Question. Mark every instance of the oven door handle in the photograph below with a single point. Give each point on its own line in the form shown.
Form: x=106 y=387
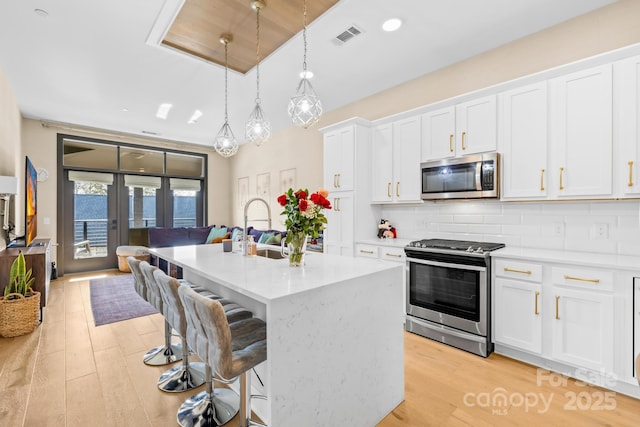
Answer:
x=447 y=264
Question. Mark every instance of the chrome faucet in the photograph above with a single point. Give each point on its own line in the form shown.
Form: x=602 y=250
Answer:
x=246 y=219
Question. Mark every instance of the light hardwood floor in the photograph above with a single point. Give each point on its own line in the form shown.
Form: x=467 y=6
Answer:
x=71 y=373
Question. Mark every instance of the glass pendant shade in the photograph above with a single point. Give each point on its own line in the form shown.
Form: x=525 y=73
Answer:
x=257 y=129
x=226 y=144
x=305 y=107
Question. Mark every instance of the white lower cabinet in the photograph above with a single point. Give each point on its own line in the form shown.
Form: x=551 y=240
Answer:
x=387 y=253
x=560 y=313
x=518 y=321
x=583 y=329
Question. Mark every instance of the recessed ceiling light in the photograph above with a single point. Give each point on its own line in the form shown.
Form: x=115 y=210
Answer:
x=125 y=109
x=392 y=24
x=163 y=111
x=194 y=117
x=41 y=12
x=308 y=74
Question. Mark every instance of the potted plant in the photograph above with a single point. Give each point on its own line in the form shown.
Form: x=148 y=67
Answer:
x=20 y=305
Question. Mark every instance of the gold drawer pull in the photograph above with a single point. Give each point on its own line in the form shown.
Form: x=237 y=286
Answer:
x=557 y=310
x=394 y=255
x=511 y=270
x=542 y=180
x=366 y=252
x=630 y=183
x=451 y=143
x=536 y=312
x=581 y=279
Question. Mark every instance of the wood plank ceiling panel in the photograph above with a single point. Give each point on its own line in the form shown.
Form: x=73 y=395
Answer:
x=199 y=24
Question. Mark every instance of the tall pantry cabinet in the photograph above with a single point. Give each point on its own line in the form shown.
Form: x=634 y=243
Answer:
x=347 y=156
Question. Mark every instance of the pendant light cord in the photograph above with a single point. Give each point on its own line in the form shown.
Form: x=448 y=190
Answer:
x=226 y=67
x=257 y=55
x=304 y=37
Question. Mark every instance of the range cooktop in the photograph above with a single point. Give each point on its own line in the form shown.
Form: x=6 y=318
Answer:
x=455 y=245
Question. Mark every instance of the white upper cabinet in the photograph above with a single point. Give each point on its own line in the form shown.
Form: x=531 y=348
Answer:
x=522 y=141
x=627 y=93
x=396 y=162
x=339 y=147
x=581 y=133
x=466 y=128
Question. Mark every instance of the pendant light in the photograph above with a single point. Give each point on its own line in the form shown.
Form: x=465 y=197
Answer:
x=258 y=128
x=225 y=143
x=305 y=107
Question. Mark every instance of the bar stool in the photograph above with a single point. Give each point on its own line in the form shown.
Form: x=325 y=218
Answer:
x=163 y=354
x=187 y=375
x=230 y=350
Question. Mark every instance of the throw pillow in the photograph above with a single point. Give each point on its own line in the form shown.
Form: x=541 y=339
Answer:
x=274 y=240
x=237 y=234
x=265 y=237
x=216 y=232
x=219 y=239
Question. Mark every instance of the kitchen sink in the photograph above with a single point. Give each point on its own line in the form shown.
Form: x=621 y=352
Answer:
x=270 y=253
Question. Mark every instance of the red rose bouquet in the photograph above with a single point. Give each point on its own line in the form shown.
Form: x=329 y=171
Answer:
x=304 y=218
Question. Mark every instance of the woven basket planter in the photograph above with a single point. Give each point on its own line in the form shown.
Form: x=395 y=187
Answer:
x=19 y=316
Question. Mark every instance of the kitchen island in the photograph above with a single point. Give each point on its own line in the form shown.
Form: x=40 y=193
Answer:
x=335 y=351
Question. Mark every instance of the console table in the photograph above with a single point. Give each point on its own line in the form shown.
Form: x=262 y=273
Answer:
x=37 y=258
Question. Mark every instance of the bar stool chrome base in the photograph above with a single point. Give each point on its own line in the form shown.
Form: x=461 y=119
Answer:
x=163 y=355
x=203 y=409
x=182 y=378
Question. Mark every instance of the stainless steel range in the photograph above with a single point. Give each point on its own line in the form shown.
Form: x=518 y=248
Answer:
x=448 y=292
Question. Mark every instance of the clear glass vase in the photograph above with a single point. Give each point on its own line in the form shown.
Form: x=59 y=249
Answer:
x=297 y=248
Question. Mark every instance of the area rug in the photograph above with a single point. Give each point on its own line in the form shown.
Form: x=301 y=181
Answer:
x=114 y=299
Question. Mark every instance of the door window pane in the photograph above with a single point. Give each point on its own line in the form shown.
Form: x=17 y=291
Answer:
x=142 y=200
x=90 y=219
x=185 y=165
x=141 y=160
x=89 y=155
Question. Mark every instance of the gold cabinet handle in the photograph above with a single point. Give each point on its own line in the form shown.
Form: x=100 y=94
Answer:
x=511 y=270
x=581 y=279
x=336 y=205
x=366 y=252
x=398 y=189
x=561 y=172
x=338 y=181
x=451 y=143
x=463 y=135
x=557 y=304
x=394 y=255
x=537 y=312
x=388 y=189
x=335 y=180
x=542 y=180
x=630 y=183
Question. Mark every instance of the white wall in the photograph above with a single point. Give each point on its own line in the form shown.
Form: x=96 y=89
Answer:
x=547 y=225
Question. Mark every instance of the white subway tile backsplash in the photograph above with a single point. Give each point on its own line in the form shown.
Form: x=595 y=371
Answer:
x=546 y=225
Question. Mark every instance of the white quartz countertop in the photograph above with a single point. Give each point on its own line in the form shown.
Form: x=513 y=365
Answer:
x=395 y=243
x=588 y=259
x=265 y=279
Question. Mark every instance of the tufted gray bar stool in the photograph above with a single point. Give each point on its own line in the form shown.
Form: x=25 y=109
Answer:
x=163 y=354
x=231 y=349
x=186 y=375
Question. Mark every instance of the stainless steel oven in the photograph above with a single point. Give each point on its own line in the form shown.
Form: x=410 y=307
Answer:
x=448 y=297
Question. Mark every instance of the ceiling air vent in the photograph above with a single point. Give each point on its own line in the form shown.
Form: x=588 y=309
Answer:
x=347 y=35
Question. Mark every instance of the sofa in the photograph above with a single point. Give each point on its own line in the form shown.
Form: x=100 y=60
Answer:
x=163 y=237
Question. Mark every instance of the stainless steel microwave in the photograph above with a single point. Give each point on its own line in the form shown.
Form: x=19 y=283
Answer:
x=468 y=177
